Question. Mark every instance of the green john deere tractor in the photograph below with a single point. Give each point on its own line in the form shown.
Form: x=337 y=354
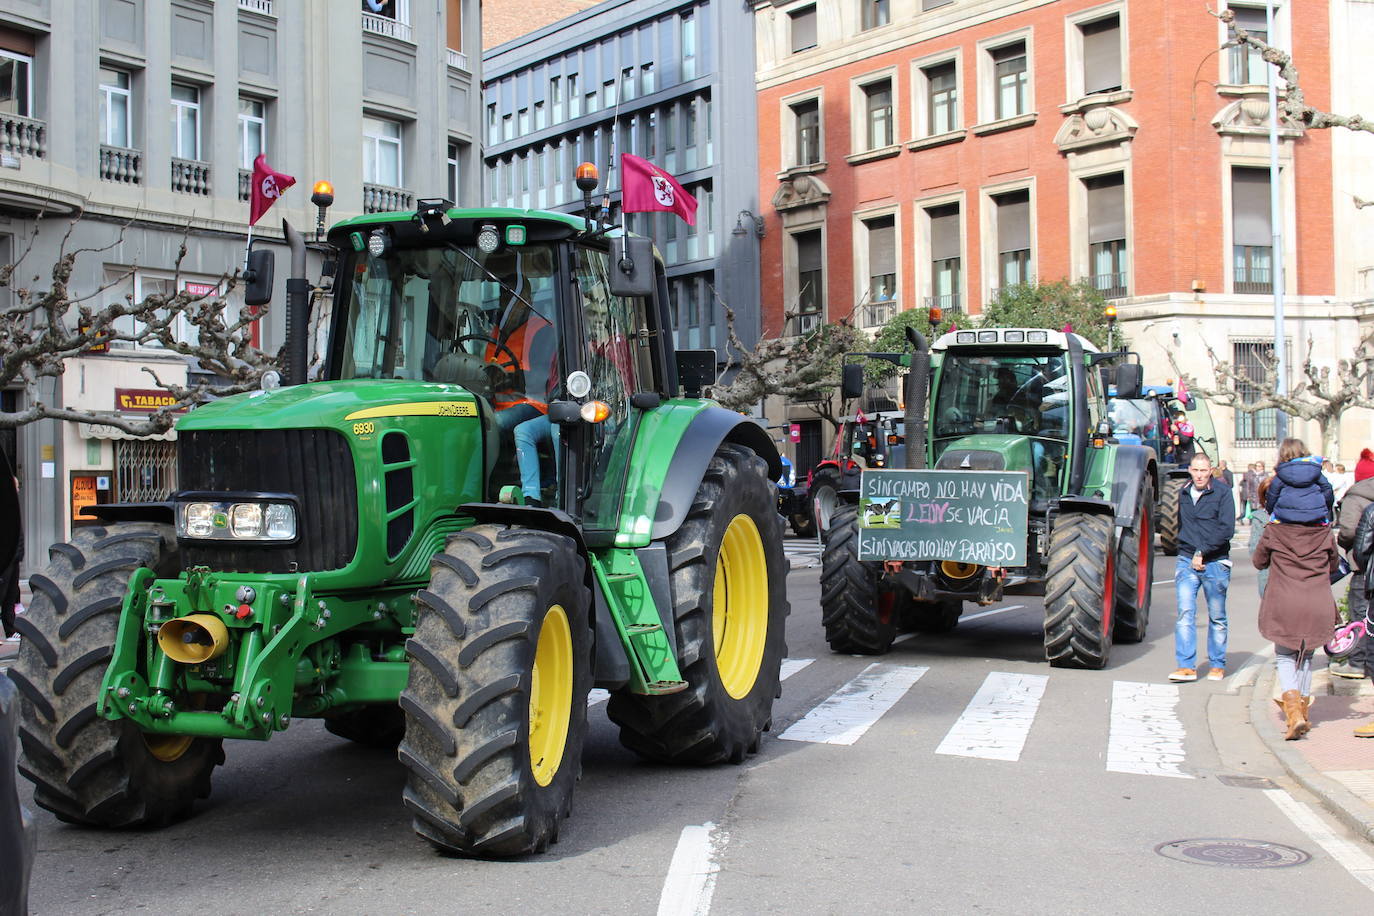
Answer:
x=503 y=489
x=1008 y=400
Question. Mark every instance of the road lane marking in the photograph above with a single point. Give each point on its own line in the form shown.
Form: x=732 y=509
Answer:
x=790 y=666
x=692 y=873
x=1146 y=736
x=996 y=610
x=997 y=720
x=1350 y=856
x=854 y=708
x=597 y=695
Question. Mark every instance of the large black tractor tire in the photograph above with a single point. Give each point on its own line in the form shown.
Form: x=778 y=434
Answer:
x=1135 y=576
x=1080 y=591
x=824 y=495
x=933 y=616
x=729 y=610
x=858 y=618
x=370 y=726
x=85 y=769
x=496 y=703
x=1166 y=515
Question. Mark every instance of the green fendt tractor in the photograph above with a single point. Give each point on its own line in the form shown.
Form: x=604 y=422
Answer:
x=375 y=550
x=1019 y=400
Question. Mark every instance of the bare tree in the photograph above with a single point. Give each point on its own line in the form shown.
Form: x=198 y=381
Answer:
x=804 y=368
x=41 y=329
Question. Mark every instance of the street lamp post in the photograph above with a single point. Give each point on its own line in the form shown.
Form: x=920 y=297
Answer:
x=1276 y=225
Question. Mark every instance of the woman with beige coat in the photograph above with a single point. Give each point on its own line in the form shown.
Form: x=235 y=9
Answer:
x=1297 y=612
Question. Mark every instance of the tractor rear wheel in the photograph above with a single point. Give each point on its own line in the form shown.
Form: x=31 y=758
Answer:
x=1135 y=574
x=86 y=769
x=496 y=704
x=730 y=608
x=370 y=726
x=1166 y=515
x=825 y=499
x=1080 y=591
x=858 y=617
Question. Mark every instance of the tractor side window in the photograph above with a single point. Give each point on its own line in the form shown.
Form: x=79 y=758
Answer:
x=612 y=359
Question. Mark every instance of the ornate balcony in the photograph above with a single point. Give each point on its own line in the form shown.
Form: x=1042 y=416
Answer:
x=21 y=136
x=245 y=184
x=385 y=25
x=257 y=6
x=121 y=165
x=191 y=176
x=378 y=198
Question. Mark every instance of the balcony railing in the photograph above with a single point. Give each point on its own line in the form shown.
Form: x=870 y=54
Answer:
x=457 y=59
x=120 y=164
x=378 y=198
x=950 y=303
x=1253 y=266
x=385 y=25
x=21 y=136
x=257 y=6
x=245 y=184
x=1111 y=286
x=191 y=176
x=876 y=314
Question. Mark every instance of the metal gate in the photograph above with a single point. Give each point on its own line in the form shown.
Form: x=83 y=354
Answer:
x=145 y=470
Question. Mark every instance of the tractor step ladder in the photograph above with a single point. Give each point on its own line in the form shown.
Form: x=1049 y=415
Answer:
x=653 y=669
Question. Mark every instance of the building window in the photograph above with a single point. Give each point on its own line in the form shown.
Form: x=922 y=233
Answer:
x=1009 y=81
x=1246 y=65
x=874 y=13
x=946 y=269
x=493 y=125
x=627 y=83
x=522 y=121
x=803 y=26
x=508 y=126
x=1252 y=231
x=608 y=94
x=1107 y=234
x=541 y=117
x=115 y=127
x=556 y=98
x=934 y=4
x=453 y=166
x=1013 y=238
x=252 y=131
x=1253 y=360
x=806 y=116
x=1101 y=55
x=16 y=84
x=381 y=152
x=880 y=299
x=185 y=121
x=942 y=98
x=810 y=279
x=689 y=46
x=574 y=100
x=646 y=79
x=878 y=114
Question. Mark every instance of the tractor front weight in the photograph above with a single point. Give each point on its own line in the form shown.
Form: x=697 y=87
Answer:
x=232 y=656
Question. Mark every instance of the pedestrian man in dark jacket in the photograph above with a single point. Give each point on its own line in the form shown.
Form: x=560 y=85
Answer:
x=1206 y=523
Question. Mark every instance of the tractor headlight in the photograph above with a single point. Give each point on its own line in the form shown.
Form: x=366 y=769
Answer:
x=237 y=520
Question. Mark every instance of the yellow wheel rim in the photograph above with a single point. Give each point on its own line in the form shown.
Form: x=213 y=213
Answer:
x=167 y=748
x=739 y=616
x=551 y=683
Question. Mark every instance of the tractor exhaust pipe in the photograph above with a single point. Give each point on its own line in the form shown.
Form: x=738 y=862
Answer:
x=194 y=639
x=917 y=391
x=297 y=310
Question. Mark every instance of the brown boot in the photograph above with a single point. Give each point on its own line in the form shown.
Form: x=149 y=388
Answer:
x=1295 y=712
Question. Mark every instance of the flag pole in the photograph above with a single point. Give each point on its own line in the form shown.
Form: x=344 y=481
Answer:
x=248 y=248
x=610 y=150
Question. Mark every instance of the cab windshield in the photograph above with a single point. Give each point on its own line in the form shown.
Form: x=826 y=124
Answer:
x=992 y=393
x=455 y=314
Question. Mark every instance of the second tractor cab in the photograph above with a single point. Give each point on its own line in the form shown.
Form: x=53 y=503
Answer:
x=876 y=440
x=1023 y=400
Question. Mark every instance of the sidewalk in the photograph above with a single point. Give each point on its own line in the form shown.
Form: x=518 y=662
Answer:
x=1330 y=762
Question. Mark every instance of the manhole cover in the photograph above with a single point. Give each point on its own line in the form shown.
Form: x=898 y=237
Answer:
x=1233 y=853
x=1248 y=782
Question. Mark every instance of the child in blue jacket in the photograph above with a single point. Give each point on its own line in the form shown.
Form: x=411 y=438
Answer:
x=1299 y=491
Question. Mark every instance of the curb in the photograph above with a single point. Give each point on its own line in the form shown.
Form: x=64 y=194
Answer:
x=1348 y=808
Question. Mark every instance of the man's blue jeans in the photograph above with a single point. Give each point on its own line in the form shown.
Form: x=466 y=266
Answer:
x=1214 y=580
x=528 y=437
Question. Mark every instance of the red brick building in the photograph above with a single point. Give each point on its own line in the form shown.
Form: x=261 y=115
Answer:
x=928 y=152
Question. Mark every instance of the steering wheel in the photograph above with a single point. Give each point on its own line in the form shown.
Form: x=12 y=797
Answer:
x=510 y=367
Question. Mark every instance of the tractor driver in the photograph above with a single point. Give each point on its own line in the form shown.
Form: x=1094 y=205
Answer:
x=1014 y=401
x=521 y=356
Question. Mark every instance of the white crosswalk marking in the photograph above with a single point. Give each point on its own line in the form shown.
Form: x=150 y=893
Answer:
x=1146 y=734
x=997 y=720
x=852 y=710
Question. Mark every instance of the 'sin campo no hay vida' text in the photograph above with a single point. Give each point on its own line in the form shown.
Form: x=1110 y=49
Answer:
x=959 y=488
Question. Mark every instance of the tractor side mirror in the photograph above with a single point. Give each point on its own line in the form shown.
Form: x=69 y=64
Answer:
x=632 y=266
x=852 y=381
x=1130 y=379
x=257 y=277
x=565 y=413
x=1190 y=404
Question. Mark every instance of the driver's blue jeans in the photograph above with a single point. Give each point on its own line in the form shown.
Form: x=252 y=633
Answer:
x=1214 y=580
x=528 y=437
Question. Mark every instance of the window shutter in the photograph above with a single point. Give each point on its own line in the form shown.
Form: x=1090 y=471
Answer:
x=1250 y=223
x=882 y=246
x=808 y=251
x=804 y=29
x=1102 y=55
x=944 y=232
x=1106 y=208
x=1252 y=19
x=1013 y=222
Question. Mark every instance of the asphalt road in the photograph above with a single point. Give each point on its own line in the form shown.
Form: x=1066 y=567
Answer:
x=944 y=803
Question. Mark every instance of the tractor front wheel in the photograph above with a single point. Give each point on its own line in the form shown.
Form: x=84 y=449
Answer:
x=1135 y=574
x=86 y=769
x=1080 y=591
x=858 y=618
x=496 y=705
x=1167 y=514
x=729 y=607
